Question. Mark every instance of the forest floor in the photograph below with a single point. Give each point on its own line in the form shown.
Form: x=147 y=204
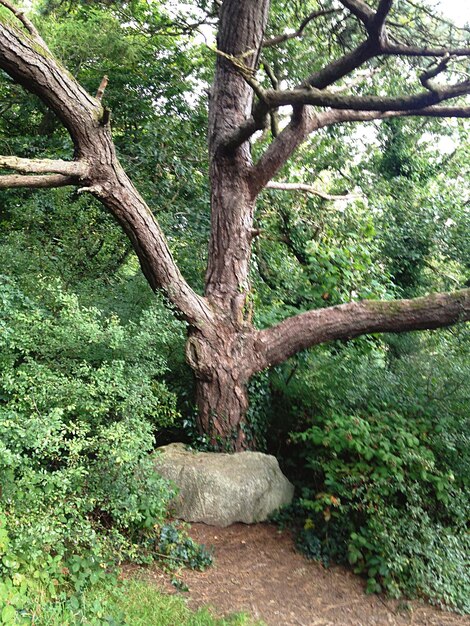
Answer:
x=258 y=571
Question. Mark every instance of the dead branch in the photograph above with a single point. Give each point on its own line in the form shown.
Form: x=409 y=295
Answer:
x=10 y=181
x=44 y=166
x=284 y=186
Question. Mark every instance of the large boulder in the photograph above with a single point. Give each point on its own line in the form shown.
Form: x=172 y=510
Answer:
x=220 y=489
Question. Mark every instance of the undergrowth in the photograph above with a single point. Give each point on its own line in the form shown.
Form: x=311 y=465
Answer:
x=381 y=462
x=81 y=396
x=127 y=603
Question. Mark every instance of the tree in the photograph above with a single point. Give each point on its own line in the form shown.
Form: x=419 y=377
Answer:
x=224 y=348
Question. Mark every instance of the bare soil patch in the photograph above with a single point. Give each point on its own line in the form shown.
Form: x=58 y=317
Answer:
x=257 y=570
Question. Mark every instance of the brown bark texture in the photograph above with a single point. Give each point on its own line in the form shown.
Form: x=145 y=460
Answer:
x=224 y=349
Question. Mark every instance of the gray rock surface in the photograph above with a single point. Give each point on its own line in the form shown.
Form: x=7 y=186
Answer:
x=220 y=489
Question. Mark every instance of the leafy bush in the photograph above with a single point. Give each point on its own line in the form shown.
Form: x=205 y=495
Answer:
x=58 y=354
x=384 y=462
x=181 y=551
x=81 y=396
x=385 y=505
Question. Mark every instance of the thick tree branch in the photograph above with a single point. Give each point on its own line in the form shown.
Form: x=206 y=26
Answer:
x=96 y=166
x=347 y=321
x=376 y=22
x=44 y=166
x=323 y=98
x=302 y=124
x=292 y=136
x=397 y=49
x=437 y=111
x=307 y=121
x=303 y=121
x=359 y=9
x=323 y=78
x=341 y=67
x=36 y=182
x=246 y=130
x=336 y=117
x=36 y=70
x=377 y=44
x=320 y=80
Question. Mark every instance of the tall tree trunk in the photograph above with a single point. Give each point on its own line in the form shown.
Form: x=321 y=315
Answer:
x=222 y=359
x=221 y=393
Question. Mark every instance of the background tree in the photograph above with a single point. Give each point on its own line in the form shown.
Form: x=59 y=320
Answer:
x=224 y=347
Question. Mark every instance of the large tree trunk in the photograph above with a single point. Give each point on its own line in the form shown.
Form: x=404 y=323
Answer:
x=223 y=363
x=222 y=359
x=225 y=356
x=222 y=402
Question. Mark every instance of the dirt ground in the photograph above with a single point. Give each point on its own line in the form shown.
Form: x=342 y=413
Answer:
x=257 y=571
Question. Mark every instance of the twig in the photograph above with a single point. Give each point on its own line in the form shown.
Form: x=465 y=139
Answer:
x=102 y=87
x=283 y=186
x=29 y=26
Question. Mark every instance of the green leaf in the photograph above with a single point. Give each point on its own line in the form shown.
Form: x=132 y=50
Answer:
x=8 y=614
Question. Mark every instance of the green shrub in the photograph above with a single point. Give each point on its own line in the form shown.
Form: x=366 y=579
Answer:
x=383 y=458
x=81 y=396
x=384 y=504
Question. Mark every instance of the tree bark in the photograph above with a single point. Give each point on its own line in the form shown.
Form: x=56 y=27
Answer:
x=346 y=321
x=222 y=358
x=223 y=361
x=240 y=36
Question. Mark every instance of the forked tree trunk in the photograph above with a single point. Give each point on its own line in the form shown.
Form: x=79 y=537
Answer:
x=224 y=357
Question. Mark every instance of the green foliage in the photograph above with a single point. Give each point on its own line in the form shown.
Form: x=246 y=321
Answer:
x=384 y=462
x=258 y=414
x=60 y=229
x=415 y=555
x=182 y=550
x=59 y=356
x=153 y=73
x=315 y=257
x=134 y=603
x=144 y=606
x=81 y=395
x=84 y=358
x=25 y=601
x=342 y=264
x=420 y=203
